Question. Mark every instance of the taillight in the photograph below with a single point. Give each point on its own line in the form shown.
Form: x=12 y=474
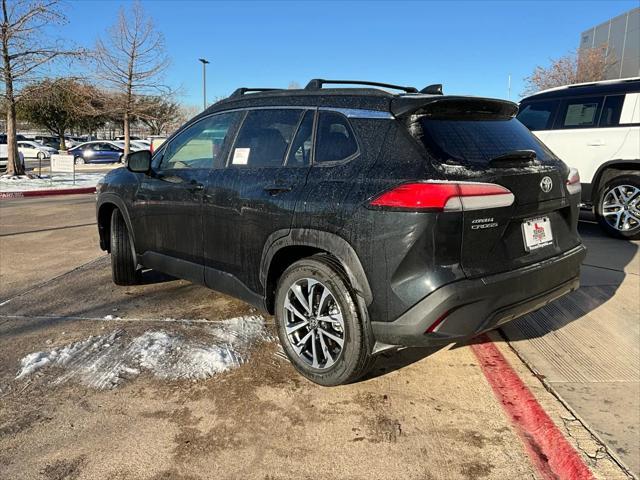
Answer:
x=573 y=182
x=444 y=197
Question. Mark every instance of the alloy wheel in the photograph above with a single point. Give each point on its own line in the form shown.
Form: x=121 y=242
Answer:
x=314 y=323
x=621 y=207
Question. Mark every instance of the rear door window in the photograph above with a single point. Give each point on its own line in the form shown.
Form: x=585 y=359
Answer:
x=264 y=138
x=611 y=110
x=538 y=115
x=336 y=140
x=475 y=141
x=580 y=112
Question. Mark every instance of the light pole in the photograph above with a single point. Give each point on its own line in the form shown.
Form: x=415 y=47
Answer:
x=204 y=81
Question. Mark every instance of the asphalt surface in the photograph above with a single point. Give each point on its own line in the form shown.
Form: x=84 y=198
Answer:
x=419 y=414
x=43 y=237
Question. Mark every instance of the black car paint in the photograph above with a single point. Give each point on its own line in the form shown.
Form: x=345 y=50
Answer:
x=222 y=228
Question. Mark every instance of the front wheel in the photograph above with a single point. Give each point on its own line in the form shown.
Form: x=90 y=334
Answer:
x=41 y=156
x=319 y=325
x=79 y=161
x=123 y=259
x=618 y=206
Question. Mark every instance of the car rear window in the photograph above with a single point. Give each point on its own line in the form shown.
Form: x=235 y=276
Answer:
x=475 y=141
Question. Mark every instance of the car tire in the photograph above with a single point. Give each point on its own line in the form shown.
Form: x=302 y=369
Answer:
x=620 y=221
x=123 y=260
x=79 y=161
x=321 y=358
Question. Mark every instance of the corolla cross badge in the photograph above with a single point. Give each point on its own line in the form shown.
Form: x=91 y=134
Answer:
x=546 y=184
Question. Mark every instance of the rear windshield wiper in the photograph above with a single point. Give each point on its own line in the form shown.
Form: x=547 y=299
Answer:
x=514 y=158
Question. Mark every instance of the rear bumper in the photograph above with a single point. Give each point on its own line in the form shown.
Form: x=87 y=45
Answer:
x=470 y=307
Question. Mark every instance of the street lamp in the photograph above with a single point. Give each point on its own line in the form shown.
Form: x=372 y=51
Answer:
x=204 y=81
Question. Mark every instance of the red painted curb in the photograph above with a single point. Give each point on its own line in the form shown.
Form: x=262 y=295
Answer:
x=46 y=193
x=553 y=456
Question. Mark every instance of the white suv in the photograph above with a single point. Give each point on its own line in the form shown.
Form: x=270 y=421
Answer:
x=595 y=127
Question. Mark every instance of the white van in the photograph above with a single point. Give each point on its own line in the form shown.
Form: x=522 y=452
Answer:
x=595 y=127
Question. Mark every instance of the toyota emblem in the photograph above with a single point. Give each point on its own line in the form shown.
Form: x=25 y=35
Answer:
x=546 y=184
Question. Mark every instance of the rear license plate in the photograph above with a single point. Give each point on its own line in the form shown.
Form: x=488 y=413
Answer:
x=537 y=233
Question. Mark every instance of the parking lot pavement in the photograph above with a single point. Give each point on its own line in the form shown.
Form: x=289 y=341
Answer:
x=44 y=237
x=586 y=346
x=170 y=380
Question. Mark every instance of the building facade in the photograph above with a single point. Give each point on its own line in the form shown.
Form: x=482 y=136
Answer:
x=620 y=36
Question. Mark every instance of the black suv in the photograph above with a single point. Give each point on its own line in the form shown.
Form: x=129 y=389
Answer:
x=363 y=220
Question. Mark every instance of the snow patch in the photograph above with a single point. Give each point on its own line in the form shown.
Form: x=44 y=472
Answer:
x=23 y=183
x=104 y=361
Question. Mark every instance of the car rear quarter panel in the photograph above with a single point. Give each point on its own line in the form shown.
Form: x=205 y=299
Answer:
x=405 y=255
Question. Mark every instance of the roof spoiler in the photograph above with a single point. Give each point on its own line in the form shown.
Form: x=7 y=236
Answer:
x=317 y=83
x=438 y=105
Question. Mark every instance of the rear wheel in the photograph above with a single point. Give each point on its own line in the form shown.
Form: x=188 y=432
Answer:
x=319 y=325
x=618 y=206
x=123 y=260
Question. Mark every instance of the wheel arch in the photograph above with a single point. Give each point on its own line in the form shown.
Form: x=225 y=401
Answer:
x=104 y=209
x=604 y=173
x=286 y=247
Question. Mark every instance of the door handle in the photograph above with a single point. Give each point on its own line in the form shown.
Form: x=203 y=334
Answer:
x=195 y=187
x=595 y=143
x=277 y=189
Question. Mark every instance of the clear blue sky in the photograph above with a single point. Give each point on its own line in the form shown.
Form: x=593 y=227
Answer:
x=470 y=47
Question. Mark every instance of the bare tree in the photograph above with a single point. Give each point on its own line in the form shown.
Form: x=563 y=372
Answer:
x=157 y=113
x=131 y=61
x=293 y=85
x=25 y=50
x=589 y=65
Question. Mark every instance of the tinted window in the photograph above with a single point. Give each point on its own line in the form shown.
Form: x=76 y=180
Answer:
x=581 y=112
x=537 y=115
x=300 y=152
x=611 y=111
x=475 y=141
x=335 y=138
x=200 y=145
x=264 y=138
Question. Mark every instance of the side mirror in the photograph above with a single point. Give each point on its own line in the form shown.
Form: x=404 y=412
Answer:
x=139 y=162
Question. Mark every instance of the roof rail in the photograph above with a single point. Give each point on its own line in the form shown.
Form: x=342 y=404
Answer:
x=317 y=83
x=435 y=89
x=241 y=91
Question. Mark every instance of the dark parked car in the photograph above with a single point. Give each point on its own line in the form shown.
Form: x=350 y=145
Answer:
x=363 y=220
x=100 y=151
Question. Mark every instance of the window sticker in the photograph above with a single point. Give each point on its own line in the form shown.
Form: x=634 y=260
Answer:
x=241 y=156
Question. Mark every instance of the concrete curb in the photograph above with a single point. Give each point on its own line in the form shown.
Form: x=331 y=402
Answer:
x=46 y=193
